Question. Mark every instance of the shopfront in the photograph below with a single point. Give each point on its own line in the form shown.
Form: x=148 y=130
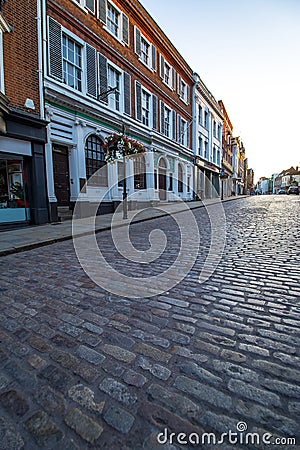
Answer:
x=14 y=203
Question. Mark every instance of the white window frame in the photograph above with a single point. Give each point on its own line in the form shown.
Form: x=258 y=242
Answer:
x=149 y=56
x=183 y=130
x=169 y=67
x=182 y=90
x=206 y=119
x=149 y=65
x=200 y=145
x=200 y=114
x=169 y=110
x=112 y=98
x=82 y=5
x=145 y=91
x=80 y=43
x=119 y=35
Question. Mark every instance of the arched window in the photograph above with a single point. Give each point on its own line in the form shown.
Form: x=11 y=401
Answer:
x=162 y=163
x=180 y=178
x=95 y=160
x=139 y=165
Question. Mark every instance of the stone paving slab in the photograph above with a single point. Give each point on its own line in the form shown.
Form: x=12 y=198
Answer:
x=84 y=369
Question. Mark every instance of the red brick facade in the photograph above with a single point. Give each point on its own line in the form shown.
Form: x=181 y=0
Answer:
x=90 y=29
x=21 y=54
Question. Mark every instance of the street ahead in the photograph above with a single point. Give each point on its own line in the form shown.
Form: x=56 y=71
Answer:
x=82 y=368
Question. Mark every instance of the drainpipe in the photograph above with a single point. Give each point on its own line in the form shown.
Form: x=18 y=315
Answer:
x=41 y=11
x=194 y=135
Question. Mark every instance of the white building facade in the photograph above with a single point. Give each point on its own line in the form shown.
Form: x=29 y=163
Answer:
x=207 y=141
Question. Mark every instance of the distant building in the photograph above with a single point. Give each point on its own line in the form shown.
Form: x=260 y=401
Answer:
x=249 y=179
x=238 y=161
x=286 y=178
x=227 y=141
x=264 y=186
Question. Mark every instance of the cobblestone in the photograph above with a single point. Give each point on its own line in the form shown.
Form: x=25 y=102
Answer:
x=203 y=392
x=118 y=391
x=135 y=379
x=155 y=369
x=82 y=368
x=268 y=418
x=85 y=397
x=253 y=393
x=14 y=402
x=174 y=402
x=119 y=419
x=153 y=353
x=118 y=353
x=43 y=429
x=10 y=438
x=53 y=402
x=90 y=355
x=190 y=368
x=83 y=425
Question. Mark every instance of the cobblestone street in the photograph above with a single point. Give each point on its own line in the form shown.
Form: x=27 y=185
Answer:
x=83 y=369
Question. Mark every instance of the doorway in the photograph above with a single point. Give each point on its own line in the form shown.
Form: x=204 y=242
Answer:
x=162 y=179
x=61 y=175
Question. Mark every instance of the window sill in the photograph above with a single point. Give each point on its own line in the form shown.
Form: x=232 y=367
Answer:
x=183 y=100
x=166 y=84
x=146 y=65
x=113 y=35
x=85 y=10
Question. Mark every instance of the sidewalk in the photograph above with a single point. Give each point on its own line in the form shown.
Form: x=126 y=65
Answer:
x=36 y=236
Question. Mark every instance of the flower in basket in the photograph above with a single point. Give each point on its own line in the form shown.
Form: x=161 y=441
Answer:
x=118 y=145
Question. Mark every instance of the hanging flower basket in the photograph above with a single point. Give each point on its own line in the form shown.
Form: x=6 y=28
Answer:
x=117 y=146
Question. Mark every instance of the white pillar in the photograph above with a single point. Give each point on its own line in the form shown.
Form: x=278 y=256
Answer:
x=49 y=168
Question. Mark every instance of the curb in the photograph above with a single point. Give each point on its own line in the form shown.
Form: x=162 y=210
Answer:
x=44 y=243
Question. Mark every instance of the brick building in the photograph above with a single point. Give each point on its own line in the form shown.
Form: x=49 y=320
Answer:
x=227 y=168
x=238 y=164
x=23 y=196
x=109 y=69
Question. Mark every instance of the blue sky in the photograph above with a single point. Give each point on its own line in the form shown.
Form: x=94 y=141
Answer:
x=247 y=52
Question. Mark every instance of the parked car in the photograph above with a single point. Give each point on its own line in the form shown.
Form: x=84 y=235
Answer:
x=293 y=190
x=281 y=191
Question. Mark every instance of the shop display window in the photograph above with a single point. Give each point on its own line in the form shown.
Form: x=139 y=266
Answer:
x=14 y=204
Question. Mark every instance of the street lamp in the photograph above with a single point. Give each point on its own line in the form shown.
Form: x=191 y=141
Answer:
x=102 y=96
x=125 y=205
x=222 y=176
